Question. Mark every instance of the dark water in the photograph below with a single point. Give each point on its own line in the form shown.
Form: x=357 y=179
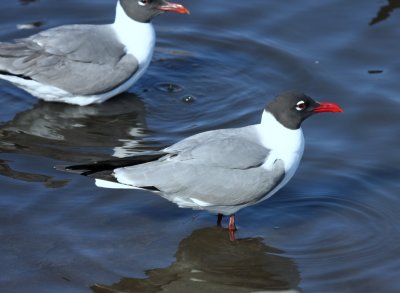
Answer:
x=333 y=228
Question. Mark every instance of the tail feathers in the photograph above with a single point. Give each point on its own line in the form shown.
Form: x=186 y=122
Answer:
x=19 y=49
x=104 y=169
x=113 y=185
x=16 y=58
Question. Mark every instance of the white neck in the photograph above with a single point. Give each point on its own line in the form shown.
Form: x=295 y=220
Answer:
x=285 y=144
x=138 y=37
x=275 y=136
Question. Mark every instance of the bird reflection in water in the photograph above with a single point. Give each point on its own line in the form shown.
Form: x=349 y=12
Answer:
x=385 y=11
x=6 y=170
x=207 y=261
x=72 y=133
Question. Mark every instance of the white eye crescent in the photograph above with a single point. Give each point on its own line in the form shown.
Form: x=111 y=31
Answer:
x=142 y=2
x=301 y=105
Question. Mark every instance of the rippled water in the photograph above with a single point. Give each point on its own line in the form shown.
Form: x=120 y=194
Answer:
x=333 y=228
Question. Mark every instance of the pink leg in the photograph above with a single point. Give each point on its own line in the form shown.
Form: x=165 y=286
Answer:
x=232 y=227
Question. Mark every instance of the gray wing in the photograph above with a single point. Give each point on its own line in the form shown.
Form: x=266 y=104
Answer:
x=211 y=186
x=220 y=171
x=230 y=148
x=80 y=59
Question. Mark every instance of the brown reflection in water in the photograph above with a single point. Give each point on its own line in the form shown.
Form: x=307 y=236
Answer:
x=385 y=11
x=207 y=261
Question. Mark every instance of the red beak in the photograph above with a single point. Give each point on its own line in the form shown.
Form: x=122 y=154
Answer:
x=327 y=107
x=174 y=7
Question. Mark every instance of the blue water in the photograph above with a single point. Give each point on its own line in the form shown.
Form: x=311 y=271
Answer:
x=333 y=228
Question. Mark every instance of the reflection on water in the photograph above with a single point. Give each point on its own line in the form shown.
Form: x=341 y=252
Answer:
x=385 y=11
x=6 y=170
x=336 y=219
x=74 y=134
x=207 y=261
x=105 y=125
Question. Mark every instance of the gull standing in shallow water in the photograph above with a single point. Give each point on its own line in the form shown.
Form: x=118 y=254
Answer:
x=85 y=64
x=221 y=171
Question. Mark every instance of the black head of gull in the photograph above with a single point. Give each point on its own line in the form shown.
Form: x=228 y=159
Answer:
x=293 y=107
x=145 y=10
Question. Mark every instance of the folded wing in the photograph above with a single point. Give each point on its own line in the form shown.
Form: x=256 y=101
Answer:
x=50 y=58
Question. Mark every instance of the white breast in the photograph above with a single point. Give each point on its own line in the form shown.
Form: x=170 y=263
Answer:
x=138 y=38
x=285 y=144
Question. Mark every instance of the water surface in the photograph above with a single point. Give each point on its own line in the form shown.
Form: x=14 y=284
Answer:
x=333 y=228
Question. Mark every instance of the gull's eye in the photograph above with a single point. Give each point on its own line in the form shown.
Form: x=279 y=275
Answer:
x=301 y=105
x=143 y=2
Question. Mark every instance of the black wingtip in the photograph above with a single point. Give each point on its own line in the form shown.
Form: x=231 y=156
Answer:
x=109 y=165
x=3 y=72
